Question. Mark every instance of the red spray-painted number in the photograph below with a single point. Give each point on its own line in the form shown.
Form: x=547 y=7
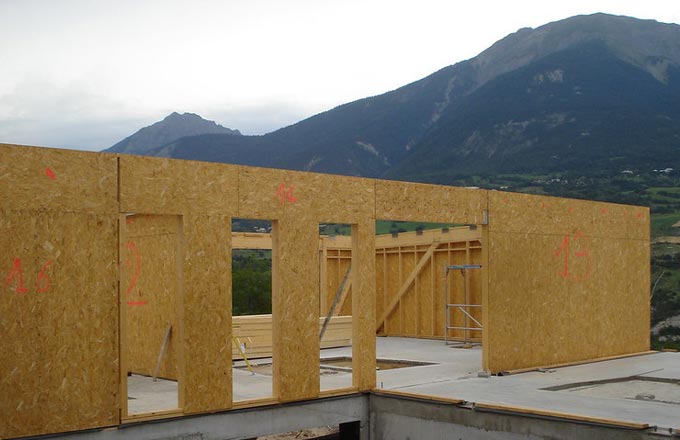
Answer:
x=285 y=195
x=135 y=274
x=579 y=267
x=16 y=275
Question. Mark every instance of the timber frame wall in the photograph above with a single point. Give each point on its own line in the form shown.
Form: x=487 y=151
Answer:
x=562 y=280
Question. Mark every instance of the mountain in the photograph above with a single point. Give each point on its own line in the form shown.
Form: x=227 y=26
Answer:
x=173 y=127
x=588 y=92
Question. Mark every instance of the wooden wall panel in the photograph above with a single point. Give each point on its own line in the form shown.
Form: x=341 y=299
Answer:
x=151 y=246
x=58 y=322
x=295 y=308
x=268 y=193
x=207 y=313
x=569 y=285
x=433 y=203
x=363 y=305
x=525 y=213
x=58 y=180
x=166 y=186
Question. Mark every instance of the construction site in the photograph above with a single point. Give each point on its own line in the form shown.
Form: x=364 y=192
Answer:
x=523 y=317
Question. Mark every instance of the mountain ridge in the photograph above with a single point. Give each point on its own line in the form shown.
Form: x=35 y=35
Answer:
x=172 y=127
x=449 y=112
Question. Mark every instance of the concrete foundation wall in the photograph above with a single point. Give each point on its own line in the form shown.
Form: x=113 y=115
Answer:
x=402 y=419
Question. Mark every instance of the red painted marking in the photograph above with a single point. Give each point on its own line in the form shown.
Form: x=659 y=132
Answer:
x=129 y=220
x=640 y=215
x=49 y=173
x=42 y=277
x=570 y=210
x=603 y=210
x=565 y=251
x=285 y=195
x=138 y=265
x=16 y=270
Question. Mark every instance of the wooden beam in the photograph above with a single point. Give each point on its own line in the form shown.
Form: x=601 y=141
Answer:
x=161 y=353
x=407 y=284
x=339 y=299
x=343 y=296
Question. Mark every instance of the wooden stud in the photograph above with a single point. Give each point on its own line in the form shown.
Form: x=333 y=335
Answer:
x=406 y=285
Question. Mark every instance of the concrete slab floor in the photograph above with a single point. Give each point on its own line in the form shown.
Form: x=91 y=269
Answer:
x=589 y=390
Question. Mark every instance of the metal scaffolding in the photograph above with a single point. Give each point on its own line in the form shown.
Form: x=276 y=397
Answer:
x=462 y=307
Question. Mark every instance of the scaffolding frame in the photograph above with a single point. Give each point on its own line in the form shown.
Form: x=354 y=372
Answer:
x=462 y=307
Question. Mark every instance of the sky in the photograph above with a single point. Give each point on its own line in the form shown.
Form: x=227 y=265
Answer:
x=84 y=74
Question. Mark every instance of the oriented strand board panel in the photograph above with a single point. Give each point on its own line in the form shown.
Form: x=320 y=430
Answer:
x=165 y=186
x=363 y=305
x=150 y=248
x=206 y=331
x=433 y=203
x=295 y=308
x=58 y=322
x=58 y=180
x=525 y=213
x=568 y=289
x=269 y=193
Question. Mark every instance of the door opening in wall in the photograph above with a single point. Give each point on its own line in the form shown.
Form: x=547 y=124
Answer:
x=252 y=338
x=151 y=267
x=412 y=312
x=335 y=304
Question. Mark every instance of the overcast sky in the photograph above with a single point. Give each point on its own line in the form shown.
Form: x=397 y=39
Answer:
x=84 y=74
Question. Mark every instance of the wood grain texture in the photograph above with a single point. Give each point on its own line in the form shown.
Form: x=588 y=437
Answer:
x=295 y=308
x=433 y=203
x=363 y=305
x=58 y=322
x=58 y=180
x=207 y=313
x=255 y=332
x=165 y=186
x=149 y=256
x=569 y=287
x=269 y=193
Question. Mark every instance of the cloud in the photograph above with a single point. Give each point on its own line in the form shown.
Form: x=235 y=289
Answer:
x=72 y=115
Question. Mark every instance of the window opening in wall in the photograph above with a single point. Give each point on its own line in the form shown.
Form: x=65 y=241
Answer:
x=151 y=290
x=251 y=268
x=335 y=305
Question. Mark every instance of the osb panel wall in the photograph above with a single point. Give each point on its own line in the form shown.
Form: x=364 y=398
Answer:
x=363 y=305
x=166 y=186
x=207 y=313
x=58 y=297
x=568 y=281
x=150 y=246
x=420 y=311
x=295 y=306
x=57 y=180
x=433 y=203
